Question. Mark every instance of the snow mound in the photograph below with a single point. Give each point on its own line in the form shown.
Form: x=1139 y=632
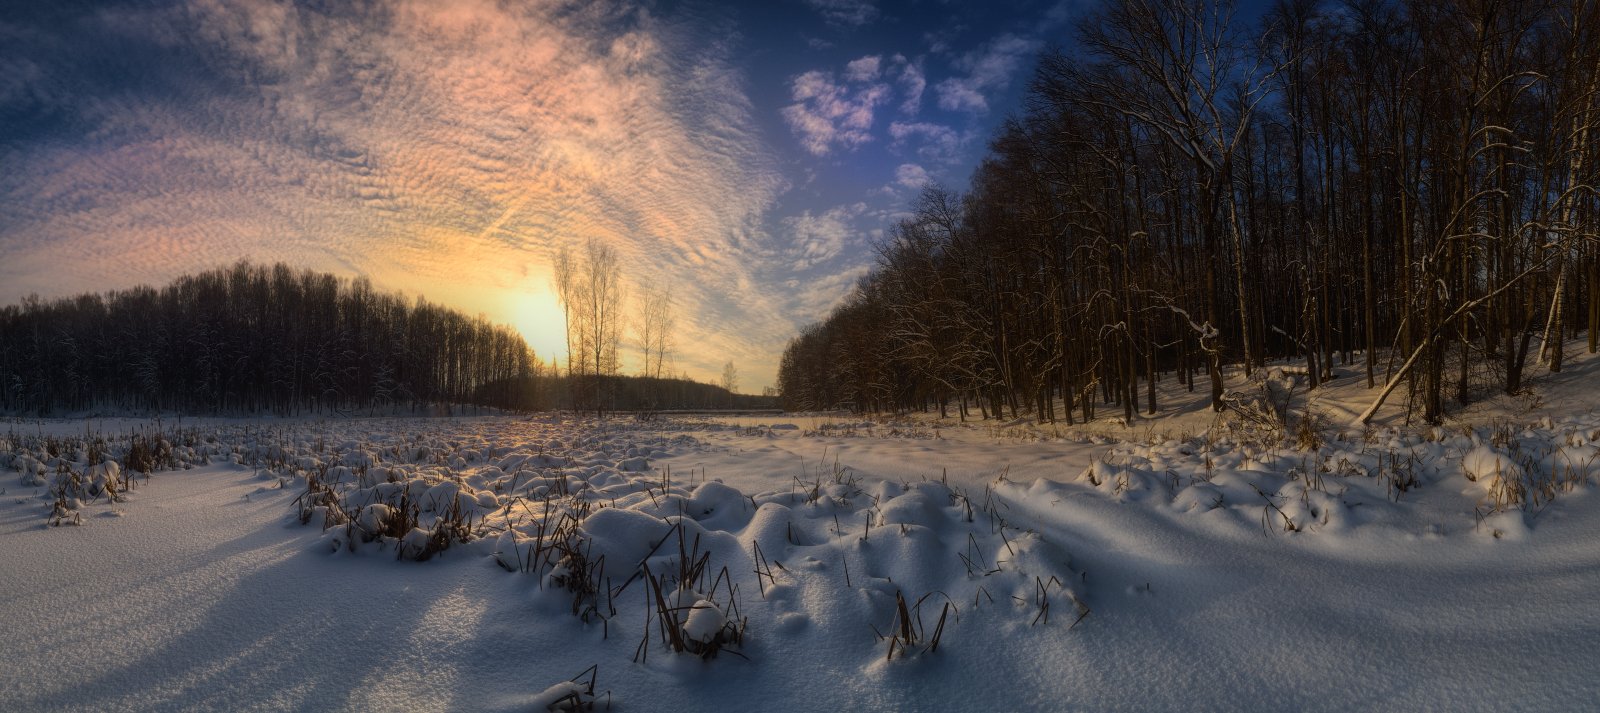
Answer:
x=1488 y=467
x=581 y=510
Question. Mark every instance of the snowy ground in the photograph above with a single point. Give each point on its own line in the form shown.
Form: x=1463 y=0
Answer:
x=1389 y=569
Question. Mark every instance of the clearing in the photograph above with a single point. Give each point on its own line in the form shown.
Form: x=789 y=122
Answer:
x=815 y=562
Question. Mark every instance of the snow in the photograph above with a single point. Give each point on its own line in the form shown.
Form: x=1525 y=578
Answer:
x=1486 y=465
x=487 y=563
x=705 y=620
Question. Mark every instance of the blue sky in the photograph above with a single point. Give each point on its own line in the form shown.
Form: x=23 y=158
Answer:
x=744 y=154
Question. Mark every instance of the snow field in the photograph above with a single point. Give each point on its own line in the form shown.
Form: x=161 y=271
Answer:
x=74 y=471
x=1502 y=476
x=892 y=567
x=1445 y=568
x=711 y=564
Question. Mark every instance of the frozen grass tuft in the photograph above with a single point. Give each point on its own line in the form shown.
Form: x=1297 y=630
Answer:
x=660 y=560
x=79 y=471
x=1321 y=480
x=907 y=632
x=575 y=694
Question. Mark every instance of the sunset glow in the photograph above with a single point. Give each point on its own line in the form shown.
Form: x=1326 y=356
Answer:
x=537 y=315
x=799 y=355
x=747 y=158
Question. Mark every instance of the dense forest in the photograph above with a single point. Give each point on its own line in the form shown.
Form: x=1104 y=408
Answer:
x=272 y=339
x=1407 y=188
x=253 y=338
x=635 y=394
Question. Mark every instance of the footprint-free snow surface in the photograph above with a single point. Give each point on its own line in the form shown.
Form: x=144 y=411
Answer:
x=499 y=563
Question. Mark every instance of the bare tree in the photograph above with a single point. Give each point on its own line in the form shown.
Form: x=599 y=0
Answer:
x=591 y=292
x=1175 y=68
x=1421 y=189
x=565 y=282
x=250 y=338
x=654 y=329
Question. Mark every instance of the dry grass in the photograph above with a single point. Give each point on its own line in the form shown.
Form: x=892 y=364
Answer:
x=907 y=632
x=688 y=615
x=578 y=693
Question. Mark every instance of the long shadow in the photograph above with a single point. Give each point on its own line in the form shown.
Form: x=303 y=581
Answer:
x=297 y=633
x=21 y=508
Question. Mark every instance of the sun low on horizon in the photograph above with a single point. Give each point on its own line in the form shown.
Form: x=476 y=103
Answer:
x=537 y=317
x=530 y=307
x=745 y=158
x=799 y=355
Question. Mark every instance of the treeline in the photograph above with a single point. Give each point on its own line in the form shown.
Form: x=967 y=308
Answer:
x=589 y=392
x=253 y=338
x=1408 y=187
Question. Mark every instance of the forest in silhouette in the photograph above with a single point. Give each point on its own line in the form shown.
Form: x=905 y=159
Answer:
x=272 y=339
x=1406 y=188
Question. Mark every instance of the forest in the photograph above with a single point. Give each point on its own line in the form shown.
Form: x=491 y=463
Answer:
x=253 y=338
x=272 y=339
x=1399 y=192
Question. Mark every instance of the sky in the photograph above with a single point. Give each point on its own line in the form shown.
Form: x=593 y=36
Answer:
x=746 y=155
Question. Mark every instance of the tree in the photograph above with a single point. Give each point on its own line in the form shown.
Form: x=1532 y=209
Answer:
x=730 y=377
x=565 y=279
x=250 y=338
x=1411 y=180
x=654 y=329
x=591 y=292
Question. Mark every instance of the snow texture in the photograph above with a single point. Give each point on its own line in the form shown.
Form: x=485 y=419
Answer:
x=485 y=563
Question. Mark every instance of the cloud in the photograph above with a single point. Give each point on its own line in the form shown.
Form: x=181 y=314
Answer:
x=1060 y=13
x=846 y=13
x=910 y=175
x=988 y=69
x=865 y=69
x=939 y=40
x=819 y=238
x=440 y=148
x=817 y=295
x=912 y=84
x=935 y=143
x=828 y=114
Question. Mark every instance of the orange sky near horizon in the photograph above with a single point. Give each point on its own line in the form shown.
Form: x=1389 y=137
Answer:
x=445 y=150
x=748 y=155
